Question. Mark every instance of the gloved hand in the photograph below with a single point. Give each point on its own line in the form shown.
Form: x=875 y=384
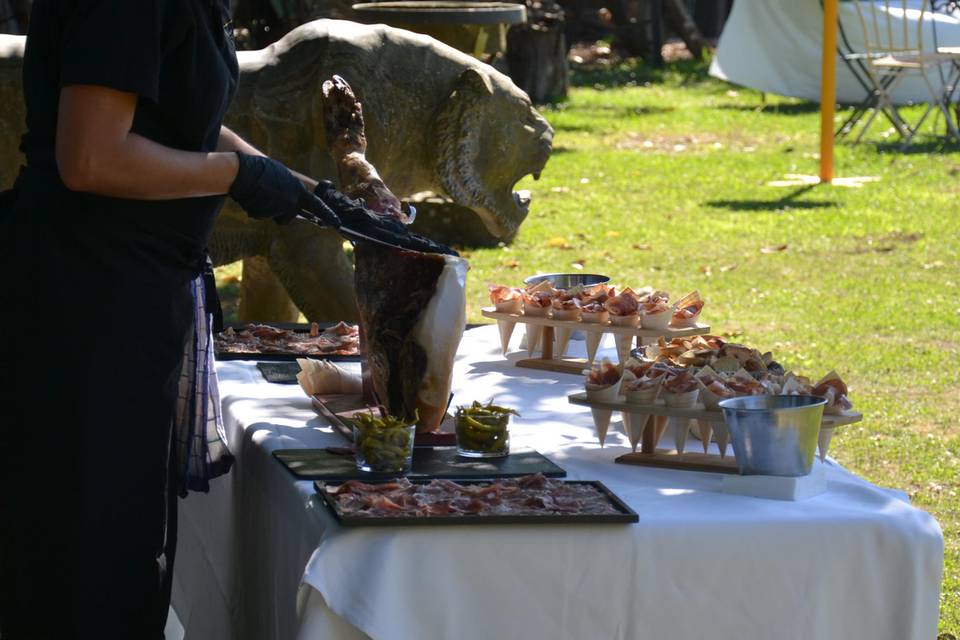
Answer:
x=265 y=188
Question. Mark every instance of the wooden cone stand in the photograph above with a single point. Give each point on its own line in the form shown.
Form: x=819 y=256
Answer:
x=650 y=432
x=506 y=328
x=551 y=337
x=563 y=340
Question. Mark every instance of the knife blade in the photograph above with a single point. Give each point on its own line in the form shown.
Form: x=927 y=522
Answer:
x=346 y=232
x=410 y=242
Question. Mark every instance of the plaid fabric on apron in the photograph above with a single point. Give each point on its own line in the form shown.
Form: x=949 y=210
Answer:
x=200 y=440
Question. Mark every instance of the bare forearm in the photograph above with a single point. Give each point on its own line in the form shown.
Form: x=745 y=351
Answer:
x=97 y=153
x=230 y=141
x=141 y=169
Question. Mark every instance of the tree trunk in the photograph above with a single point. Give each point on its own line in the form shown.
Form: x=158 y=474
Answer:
x=640 y=28
x=679 y=19
x=537 y=60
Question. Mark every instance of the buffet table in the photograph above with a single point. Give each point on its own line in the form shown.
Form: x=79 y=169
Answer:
x=260 y=557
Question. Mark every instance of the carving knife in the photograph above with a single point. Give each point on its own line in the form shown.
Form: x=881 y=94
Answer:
x=392 y=239
x=347 y=232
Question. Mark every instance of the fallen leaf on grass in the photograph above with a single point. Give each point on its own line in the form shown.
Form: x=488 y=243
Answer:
x=728 y=267
x=557 y=243
x=513 y=264
x=578 y=265
x=705 y=270
x=773 y=248
x=642 y=247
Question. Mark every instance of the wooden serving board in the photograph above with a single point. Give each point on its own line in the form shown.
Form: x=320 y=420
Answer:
x=549 y=329
x=337 y=408
x=686 y=461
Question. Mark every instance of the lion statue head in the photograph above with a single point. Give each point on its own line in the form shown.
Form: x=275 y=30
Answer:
x=437 y=120
x=489 y=137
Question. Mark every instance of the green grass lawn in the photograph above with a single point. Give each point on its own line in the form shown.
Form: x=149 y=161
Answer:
x=660 y=180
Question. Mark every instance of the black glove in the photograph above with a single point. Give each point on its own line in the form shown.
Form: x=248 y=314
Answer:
x=355 y=216
x=265 y=188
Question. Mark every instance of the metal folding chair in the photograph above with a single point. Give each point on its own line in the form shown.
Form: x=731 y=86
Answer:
x=855 y=62
x=893 y=51
x=949 y=80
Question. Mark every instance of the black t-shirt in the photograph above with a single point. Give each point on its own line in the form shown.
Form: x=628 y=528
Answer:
x=178 y=57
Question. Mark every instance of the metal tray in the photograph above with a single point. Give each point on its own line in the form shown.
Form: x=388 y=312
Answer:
x=299 y=327
x=626 y=515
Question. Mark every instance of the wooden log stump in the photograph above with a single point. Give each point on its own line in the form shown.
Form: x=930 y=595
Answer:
x=537 y=55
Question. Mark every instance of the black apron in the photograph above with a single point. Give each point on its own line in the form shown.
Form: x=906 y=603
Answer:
x=100 y=305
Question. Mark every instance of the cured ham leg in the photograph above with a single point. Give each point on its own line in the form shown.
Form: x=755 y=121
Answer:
x=413 y=310
x=343 y=122
x=412 y=302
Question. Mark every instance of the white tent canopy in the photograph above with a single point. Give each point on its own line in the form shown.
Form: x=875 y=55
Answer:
x=775 y=46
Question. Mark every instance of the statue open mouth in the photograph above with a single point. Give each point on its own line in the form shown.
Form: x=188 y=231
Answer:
x=523 y=198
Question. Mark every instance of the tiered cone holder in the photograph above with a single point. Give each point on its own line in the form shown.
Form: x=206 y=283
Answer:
x=645 y=424
x=550 y=338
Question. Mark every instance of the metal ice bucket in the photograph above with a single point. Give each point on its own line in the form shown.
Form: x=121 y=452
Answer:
x=774 y=435
x=567 y=280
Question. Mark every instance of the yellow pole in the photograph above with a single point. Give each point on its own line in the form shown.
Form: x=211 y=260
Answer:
x=828 y=88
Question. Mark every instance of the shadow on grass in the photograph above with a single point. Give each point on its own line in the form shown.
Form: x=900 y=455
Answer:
x=789 y=201
x=573 y=128
x=635 y=71
x=790 y=109
x=927 y=145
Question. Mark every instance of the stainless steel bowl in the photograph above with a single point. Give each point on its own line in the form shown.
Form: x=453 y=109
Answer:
x=567 y=280
x=774 y=435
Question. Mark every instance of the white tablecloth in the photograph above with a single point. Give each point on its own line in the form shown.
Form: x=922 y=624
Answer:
x=776 y=46
x=856 y=562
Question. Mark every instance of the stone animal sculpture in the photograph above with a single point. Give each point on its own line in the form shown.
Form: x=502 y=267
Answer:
x=437 y=120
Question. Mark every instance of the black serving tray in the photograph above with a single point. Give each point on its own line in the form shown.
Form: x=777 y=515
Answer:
x=626 y=515
x=299 y=327
x=337 y=465
x=279 y=372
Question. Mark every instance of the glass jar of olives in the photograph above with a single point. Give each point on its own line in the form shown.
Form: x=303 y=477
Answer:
x=482 y=430
x=383 y=445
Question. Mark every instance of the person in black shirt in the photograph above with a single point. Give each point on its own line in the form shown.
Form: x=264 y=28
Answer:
x=127 y=166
